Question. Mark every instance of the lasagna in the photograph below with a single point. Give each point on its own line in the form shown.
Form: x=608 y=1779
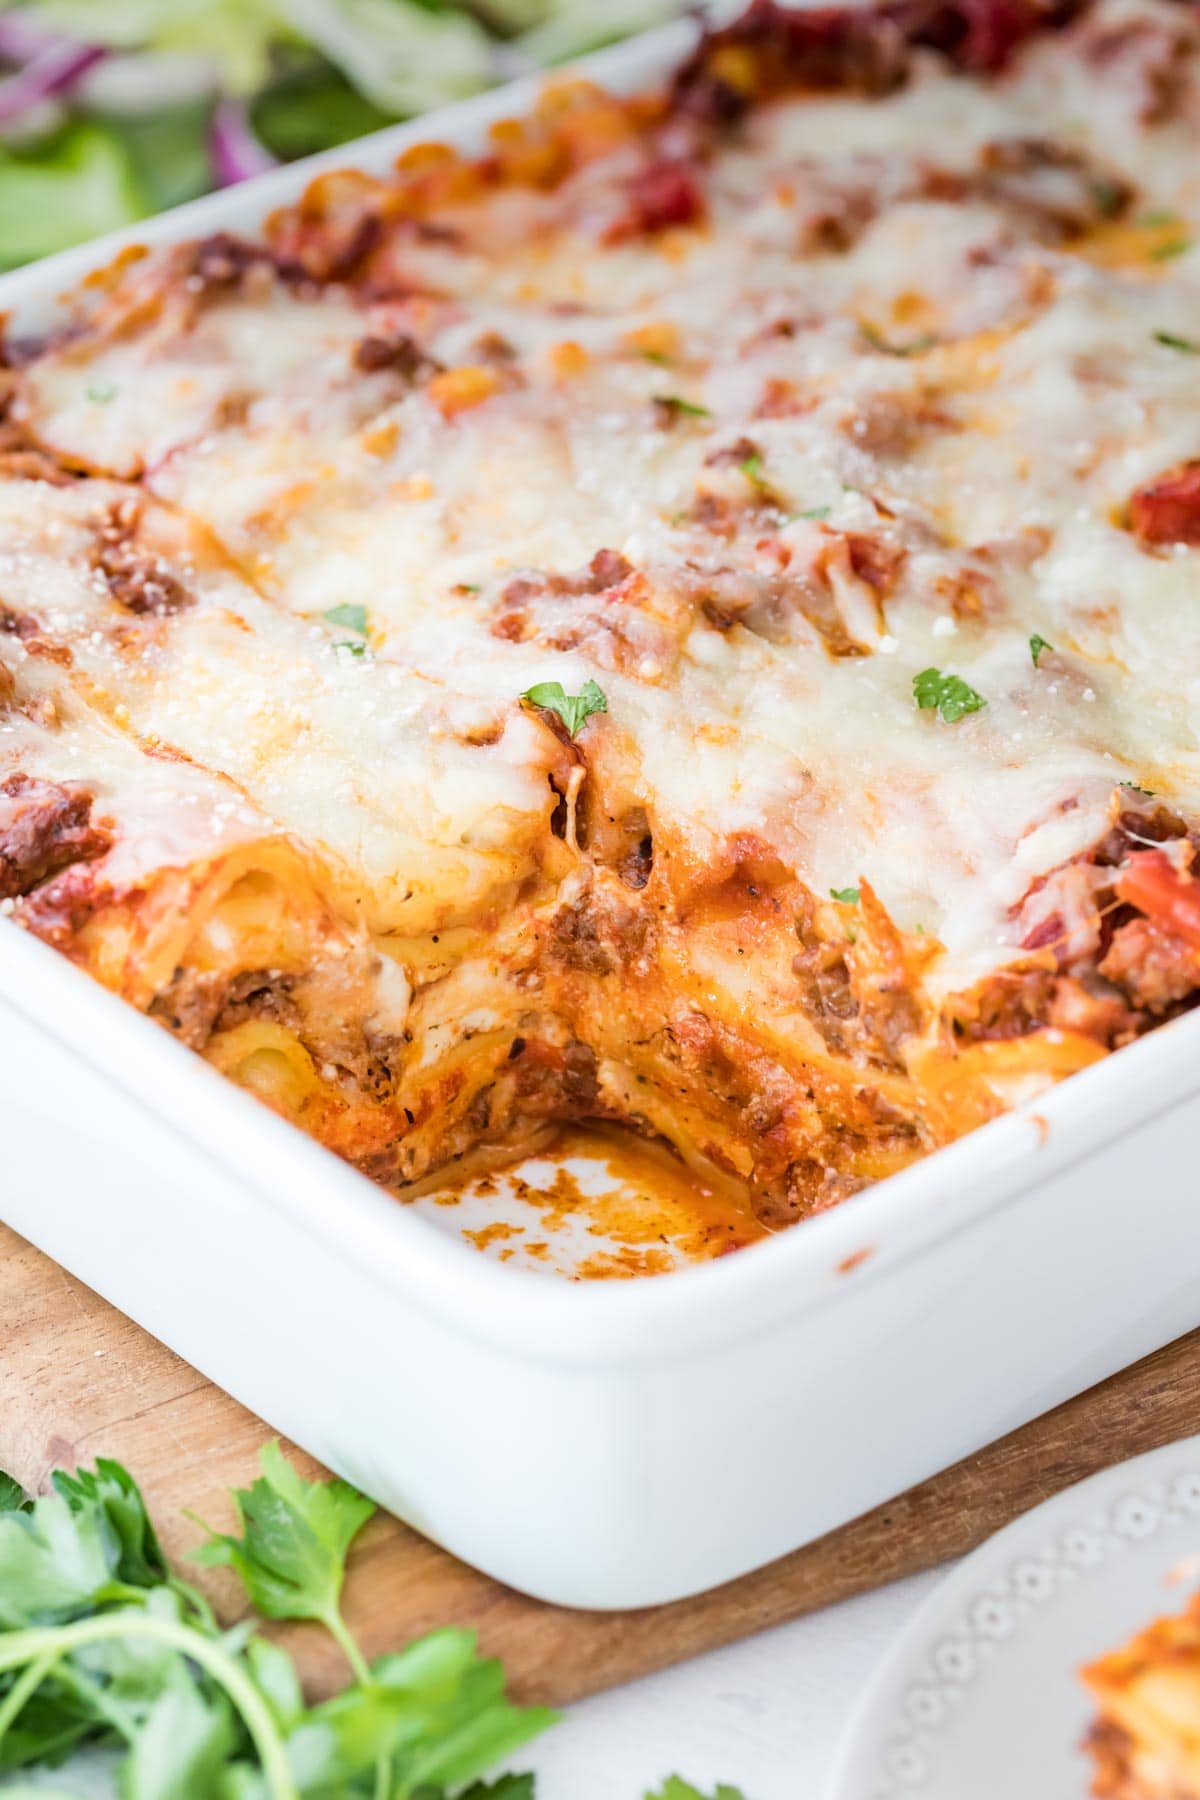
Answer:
x=688 y=619
x=1145 y=1744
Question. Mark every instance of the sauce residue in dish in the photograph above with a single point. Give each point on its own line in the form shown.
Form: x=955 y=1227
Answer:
x=597 y=1205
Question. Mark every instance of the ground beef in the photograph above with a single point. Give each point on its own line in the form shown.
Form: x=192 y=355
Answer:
x=398 y=354
x=220 y=264
x=1111 y=1747
x=575 y=938
x=1053 y=190
x=1155 y=969
x=44 y=828
x=858 y=49
x=137 y=579
x=22 y=458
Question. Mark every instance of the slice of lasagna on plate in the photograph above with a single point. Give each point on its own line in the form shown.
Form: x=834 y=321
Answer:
x=1145 y=1744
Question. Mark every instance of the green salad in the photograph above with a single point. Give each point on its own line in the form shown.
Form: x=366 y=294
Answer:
x=114 y=109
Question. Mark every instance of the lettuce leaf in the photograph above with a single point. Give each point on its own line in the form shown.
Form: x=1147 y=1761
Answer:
x=75 y=185
x=312 y=107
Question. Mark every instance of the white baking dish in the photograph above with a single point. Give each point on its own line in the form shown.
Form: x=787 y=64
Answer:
x=615 y=1444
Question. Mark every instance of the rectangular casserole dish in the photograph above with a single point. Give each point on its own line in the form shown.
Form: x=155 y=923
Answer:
x=610 y=1445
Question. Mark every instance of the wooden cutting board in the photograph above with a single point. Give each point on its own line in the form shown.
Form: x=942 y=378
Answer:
x=78 y=1380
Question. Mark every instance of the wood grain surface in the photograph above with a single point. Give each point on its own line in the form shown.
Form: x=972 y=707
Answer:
x=78 y=1380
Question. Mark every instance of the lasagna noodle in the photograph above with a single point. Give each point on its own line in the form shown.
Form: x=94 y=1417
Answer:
x=832 y=411
x=167 y=885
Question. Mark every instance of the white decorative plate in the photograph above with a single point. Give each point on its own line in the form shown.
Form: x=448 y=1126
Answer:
x=980 y=1698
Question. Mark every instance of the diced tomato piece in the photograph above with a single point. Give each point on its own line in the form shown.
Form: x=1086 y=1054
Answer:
x=1151 y=882
x=1167 y=509
x=665 y=193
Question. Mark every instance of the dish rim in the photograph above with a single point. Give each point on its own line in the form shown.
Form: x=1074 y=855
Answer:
x=690 y=1310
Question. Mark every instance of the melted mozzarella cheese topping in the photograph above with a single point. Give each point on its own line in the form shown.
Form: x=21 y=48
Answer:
x=893 y=357
x=421 y=801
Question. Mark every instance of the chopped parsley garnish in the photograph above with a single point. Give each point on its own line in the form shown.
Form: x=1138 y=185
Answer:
x=1109 y=197
x=752 y=468
x=656 y=356
x=848 y=896
x=101 y=392
x=812 y=512
x=947 y=695
x=1159 y=217
x=677 y=404
x=1189 y=346
x=350 y=618
x=1036 y=645
x=354 y=618
x=1133 y=788
x=884 y=345
x=675 y=1788
x=1173 y=247
x=573 y=709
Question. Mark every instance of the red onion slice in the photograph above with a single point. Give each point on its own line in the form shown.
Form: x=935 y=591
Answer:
x=53 y=70
x=234 y=151
x=22 y=36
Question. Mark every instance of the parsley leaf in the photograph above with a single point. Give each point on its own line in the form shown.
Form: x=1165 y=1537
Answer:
x=849 y=896
x=183 y=1743
x=947 y=695
x=573 y=709
x=27 y=1791
x=111 y=1491
x=675 y=403
x=100 y=1644
x=877 y=341
x=509 y=1787
x=276 y=1679
x=56 y=1562
x=1133 y=788
x=1189 y=346
x=752 y=468
x=352 y=618
x=436 y=1710
x=12 y=1495
x=812 y=512
x=1173 y=247
x=676 y=1788
x=292 y=1555
x=1037 y=644
x=101 y=392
